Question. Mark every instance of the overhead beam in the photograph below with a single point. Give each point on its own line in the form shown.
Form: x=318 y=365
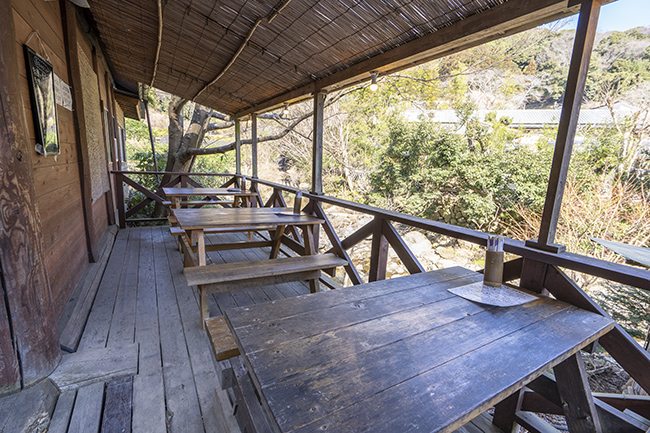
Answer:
x=575 y=87
x=499 y=21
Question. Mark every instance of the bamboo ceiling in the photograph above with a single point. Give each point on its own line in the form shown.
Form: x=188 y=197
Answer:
x=307 y=45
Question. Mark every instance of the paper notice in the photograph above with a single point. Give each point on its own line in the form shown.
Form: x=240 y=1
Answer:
x=62 y=93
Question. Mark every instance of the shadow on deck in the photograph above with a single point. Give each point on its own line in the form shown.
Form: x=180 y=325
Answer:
x=144 y=362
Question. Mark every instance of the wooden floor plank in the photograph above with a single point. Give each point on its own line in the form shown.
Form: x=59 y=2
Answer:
x=87 y=409
x=99 y=320
x=62 y=412
x=183 y=410
x=148 y=385
x=122 y=329
x=75 y=316
x=117 y=406
x=95 y=365
x=203 y=369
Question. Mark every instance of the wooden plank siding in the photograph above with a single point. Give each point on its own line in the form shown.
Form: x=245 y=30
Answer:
x=57 y=179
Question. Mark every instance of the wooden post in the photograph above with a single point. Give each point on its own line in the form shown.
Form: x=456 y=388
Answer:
x=378 y=252
x=72 y=56
x=582 y=47
x=237 y=147
x=29 y=344
x=505 y=412
x=254 y=145
x=577 y=401
x=317 y=151
x=119 y=197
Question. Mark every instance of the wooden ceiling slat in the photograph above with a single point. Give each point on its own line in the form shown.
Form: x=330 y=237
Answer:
x=307 y=42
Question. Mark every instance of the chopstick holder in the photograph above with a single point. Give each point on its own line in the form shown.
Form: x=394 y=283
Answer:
x=493 y=276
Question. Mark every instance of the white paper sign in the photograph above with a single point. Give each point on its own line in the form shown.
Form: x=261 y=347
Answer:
x=62 y=93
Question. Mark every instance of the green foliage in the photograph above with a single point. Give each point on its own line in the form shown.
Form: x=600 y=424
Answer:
x=432 y=172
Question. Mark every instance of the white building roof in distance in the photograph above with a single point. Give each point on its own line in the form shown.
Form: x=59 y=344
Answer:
x=524 y=119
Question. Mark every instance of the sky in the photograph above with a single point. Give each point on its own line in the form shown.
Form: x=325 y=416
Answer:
x=619 y=16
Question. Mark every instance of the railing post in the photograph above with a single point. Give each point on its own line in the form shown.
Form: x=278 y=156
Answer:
x=119 y=196
x=378 y=252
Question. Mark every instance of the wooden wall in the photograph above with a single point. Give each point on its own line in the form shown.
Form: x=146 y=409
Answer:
x=58 y=179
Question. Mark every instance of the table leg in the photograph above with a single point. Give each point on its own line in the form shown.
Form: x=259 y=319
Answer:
x=577 y=401
x=198 y=238
x=506 y=410
x=203 y=303
x=310 y=250
x=276 y=241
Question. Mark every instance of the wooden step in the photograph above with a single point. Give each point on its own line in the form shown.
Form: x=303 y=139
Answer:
x=223 y=343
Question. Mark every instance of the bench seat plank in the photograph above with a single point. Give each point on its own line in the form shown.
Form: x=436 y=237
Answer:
x=230 y=272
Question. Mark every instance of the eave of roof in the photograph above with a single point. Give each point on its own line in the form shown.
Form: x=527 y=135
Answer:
x=299 y=52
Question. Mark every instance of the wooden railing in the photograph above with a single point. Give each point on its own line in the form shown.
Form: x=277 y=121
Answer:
x=537 y=270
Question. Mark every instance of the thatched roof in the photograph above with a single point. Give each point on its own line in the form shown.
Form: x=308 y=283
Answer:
x=295 y=46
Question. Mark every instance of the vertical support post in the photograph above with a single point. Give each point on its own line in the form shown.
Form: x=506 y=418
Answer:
x=69 y=16
x=153 y=145
x=119 y=197
x=237 y=147
x=582 y=47
x=254 y=145
x=317 y=149
x=378 y=252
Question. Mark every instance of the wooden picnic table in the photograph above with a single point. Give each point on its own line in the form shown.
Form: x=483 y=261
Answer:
x=403 y=354
x=175 y=195
x=196 y=221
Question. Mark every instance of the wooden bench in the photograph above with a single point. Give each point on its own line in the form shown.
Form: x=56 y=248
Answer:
x=223 y=343
x=237 y=276
x=168 y=203
x=177 y=231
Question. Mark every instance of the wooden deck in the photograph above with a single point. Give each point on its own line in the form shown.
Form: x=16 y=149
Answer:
x=144 y=307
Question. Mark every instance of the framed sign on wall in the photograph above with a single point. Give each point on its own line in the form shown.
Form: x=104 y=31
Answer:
x=40 y=75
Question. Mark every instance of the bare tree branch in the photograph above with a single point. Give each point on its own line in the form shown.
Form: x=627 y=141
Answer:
x=231 y=146
x=217 y=126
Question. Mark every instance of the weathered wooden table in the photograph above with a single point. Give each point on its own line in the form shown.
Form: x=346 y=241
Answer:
x=195 y=221
x=400 y=355
x=176 y=194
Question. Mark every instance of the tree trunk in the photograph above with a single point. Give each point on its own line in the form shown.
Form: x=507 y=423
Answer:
x=178 y=157
x=175 y=135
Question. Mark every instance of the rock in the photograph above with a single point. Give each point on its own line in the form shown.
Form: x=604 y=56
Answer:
x=442 y=264
x=447 y=253
x=417 y=242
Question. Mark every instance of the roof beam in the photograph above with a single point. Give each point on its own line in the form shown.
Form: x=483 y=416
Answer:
x=506 y=19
